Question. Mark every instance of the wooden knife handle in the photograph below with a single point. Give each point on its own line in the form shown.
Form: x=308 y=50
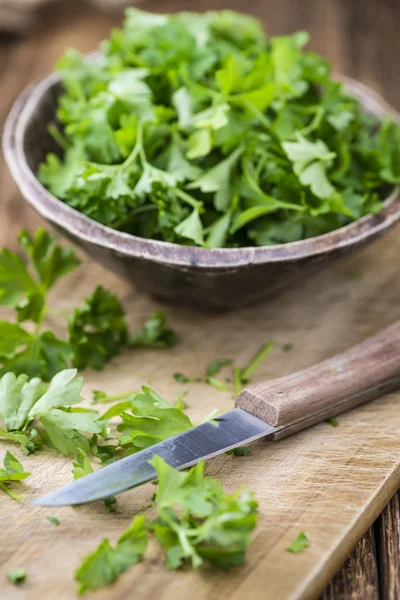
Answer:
x=344 y=381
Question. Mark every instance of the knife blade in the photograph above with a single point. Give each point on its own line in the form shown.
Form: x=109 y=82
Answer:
x=274 y=409
x=231 y=430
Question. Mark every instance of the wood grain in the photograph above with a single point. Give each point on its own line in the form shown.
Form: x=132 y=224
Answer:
x=388 y=533
x=327 y=467
x=359 y=576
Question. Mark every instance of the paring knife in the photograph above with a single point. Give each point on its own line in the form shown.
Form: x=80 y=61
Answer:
x=273 y=409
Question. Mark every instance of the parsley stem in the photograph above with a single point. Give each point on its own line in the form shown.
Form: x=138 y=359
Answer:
x=237 y=380
x=256 y=361
x=188 y=199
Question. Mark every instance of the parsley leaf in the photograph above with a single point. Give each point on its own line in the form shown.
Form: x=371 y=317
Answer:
x=36 y=414
x=180 y=378
x=53 y=520
x=154 y=333
x=12 y=471
x=97 y=330
x=16 y=576
x=197 y=521
x=107 y=563
x=299 y=544
x=147 y=419
x=215 y=367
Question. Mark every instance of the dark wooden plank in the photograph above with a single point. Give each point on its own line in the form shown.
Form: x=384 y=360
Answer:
x=358 y=578
x=388 y=542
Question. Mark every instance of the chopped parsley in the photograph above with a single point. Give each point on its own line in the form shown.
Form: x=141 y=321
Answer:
x=16 y=576
x=200 y=130
x=299 y=544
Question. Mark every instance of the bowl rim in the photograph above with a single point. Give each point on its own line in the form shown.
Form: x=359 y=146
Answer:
x=80 y=226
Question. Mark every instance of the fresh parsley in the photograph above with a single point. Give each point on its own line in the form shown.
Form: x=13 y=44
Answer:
x=154 y=334
x=196 y=521
x=299 y=544
x=180 y=378
x=25 y=288
x=53 y=520
x=198 y=129
x=16 y=576
x=107 y=563
x=97 y=330
x=147 y=419
x=12 y=471
x=35 y=414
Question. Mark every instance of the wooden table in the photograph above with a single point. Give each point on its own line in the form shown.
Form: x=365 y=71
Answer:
x=361 y=38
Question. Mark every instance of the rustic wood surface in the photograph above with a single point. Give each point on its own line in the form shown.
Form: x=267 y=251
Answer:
x=331 y=482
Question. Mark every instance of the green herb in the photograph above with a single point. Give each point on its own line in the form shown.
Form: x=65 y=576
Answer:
x=147 y=419
x=180 y=378
x=181 y=404
x=16 y=576
x=218 y=384
x=197 y=521
x=36 y=414
x=107 y=563
x=53 y=520
x=287 y=347
x=333 y=421
x=12 y=471
x=154 y=333
x=299 y=544
x=97 y=330
x=241 y=376
x=215 y=367
x=82 y=465
x=197 y=129
x=25 y=288
x=242 y=451
x=256 y=361
x=111 y=504
x=100 y=397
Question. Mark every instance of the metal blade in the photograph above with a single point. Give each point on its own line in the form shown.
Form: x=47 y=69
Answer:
x=234 y=429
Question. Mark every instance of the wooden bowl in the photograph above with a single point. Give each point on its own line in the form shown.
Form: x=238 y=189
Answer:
x=209 y=279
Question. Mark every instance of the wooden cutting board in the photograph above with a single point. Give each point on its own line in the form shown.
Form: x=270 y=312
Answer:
x=329 y=482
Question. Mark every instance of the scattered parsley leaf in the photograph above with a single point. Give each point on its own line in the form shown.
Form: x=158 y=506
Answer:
x=197 y=521
x=333 y=421
x=215 y=367
x=147 y=419
x=287 y=347
x=154 y=333
x=16 y=576
x=110 y=504
x=12 y=471
x=180 y=378
x=97 y=330
x=28 y=404
x=242 y=451
x=256 y=361
x=218 y=384
x=107 y=563
x=299 y=544
x=53 y=520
